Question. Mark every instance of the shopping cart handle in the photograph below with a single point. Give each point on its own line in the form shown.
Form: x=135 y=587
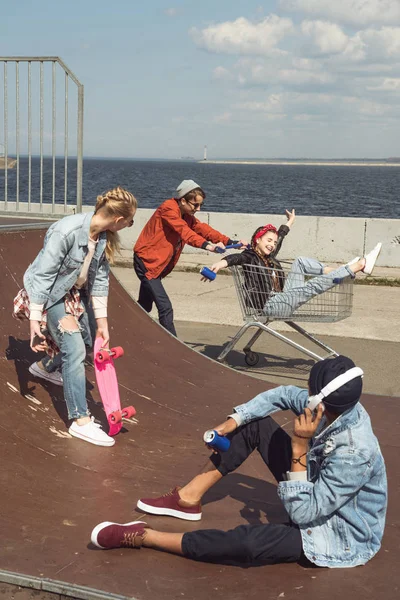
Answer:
x=229 y=247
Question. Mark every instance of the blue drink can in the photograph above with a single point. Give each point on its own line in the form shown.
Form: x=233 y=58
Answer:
x=206 y=272
x=216 y=441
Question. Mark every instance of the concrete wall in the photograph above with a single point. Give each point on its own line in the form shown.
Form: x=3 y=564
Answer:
x=331 y=239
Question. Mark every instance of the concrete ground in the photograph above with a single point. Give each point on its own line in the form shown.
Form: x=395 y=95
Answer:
x=207 y=315
x=283 y=365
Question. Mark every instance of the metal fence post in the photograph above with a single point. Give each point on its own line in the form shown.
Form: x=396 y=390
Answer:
x=35 y=103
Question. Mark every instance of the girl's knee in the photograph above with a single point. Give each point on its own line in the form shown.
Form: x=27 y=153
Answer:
x=69 y=325
x=299 y=261
x=72 y=341
x=278 y=310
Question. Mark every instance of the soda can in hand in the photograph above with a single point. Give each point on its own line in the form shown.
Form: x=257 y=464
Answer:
x=216 y=441
x=206 y=272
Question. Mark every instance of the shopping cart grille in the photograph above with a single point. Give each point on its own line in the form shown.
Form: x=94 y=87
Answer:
x=253 y=287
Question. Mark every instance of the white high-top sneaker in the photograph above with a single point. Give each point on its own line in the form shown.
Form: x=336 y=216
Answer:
x=91 y=432
x=371 y=258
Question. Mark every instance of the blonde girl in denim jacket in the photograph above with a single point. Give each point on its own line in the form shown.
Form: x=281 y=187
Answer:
x=68 y=278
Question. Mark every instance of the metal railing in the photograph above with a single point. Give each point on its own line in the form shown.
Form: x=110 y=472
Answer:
x=38 y=178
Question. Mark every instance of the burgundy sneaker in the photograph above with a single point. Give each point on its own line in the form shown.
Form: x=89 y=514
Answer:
x=171 y=505
x=119 y=535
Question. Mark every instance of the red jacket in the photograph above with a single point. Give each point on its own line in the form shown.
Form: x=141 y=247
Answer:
x=165 y=234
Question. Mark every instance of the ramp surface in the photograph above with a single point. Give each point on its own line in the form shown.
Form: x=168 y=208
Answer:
x=55 y=489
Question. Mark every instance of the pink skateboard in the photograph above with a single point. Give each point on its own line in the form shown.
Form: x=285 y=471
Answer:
x=107 y=383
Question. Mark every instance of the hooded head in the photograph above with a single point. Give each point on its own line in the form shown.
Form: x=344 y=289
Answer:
x=325 y=371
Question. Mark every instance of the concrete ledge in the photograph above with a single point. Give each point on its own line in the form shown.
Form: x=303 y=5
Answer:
x=331 y=239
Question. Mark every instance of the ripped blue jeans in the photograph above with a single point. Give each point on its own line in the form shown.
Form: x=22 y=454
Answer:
x=297 y=291
x=71 y=358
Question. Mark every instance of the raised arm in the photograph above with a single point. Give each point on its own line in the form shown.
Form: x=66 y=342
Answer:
x=283 y=231
x=291 y=216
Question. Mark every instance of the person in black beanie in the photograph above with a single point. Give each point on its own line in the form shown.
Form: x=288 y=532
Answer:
x=331 y=479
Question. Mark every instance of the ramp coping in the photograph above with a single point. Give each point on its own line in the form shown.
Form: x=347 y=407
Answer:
x=58 y=587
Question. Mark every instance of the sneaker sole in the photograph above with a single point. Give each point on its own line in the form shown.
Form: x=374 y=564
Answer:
x=369 y=272
x=91 y=440
x=43 y=376
x=98 y=528
x=168 y=512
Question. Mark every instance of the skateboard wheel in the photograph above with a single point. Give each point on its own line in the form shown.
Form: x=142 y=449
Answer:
x=117 y=351
x=128 y=412
x=101 y=356
x=115 y=417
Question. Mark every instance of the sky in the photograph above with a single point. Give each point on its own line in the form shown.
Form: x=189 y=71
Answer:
x=279 y=78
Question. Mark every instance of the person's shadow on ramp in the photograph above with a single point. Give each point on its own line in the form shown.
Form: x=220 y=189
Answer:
x=259 y=497
x=23 y=356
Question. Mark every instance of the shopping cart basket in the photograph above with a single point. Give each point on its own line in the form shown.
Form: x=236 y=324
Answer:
x=253 y=288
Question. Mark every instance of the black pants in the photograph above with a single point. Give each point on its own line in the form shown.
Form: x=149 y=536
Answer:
x=152 y=290
x=250 y=544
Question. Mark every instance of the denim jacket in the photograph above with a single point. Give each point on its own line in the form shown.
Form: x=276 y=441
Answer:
x=341 y=507
x=58 y=265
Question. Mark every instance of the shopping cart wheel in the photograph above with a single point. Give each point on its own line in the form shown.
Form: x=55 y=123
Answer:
x=251 y=359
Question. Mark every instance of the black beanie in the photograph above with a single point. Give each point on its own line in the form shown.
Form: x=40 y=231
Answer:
x=324 y=371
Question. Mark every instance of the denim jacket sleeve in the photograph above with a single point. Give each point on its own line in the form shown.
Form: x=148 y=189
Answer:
x=340 y=477
x=55 y=249
x=284 y=397
x=101 y=282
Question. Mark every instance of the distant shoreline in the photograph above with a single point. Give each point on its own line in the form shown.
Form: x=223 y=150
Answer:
x=311 y=163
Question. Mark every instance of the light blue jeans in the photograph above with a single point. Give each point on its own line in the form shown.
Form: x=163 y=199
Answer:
x=297 y=291
x=71 y=358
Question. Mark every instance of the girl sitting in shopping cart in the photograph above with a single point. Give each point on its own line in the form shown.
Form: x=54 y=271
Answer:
x=266 y=287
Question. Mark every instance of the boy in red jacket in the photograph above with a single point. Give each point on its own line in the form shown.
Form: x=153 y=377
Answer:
x=161 y=242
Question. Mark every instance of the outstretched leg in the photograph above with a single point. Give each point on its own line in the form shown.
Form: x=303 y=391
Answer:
x=265 y=435
x=283 y=304
x=245 y=545
x=301 y=267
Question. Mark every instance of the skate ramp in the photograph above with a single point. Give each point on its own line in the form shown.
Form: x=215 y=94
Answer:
x=55 y=489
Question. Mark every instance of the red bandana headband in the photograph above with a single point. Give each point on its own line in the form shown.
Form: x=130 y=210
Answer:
x=264 y=230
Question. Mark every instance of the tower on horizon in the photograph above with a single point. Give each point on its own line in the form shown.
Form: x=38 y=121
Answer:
x=205 y=153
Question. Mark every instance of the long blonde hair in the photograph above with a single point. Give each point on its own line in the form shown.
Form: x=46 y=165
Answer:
x=116 y=202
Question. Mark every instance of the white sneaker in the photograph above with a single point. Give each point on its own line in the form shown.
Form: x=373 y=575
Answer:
x=352 y=262
x=91 y=432
x=55 y=377
x=371 y=258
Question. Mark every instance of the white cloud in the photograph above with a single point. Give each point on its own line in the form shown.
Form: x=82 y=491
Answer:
x=273 y=104
x=243 y=37
x=389 y=84
x=223 y=118
x=381 y=43
x=324 y=75
x=327 y=37
x=221 y=73
x=356 y=12
x=180 y=119
x=285 y=72
x=367 y=45
x=272 y=108
x=296 y=77
x=171 y=12
x=365 y=107
x=308 y=106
